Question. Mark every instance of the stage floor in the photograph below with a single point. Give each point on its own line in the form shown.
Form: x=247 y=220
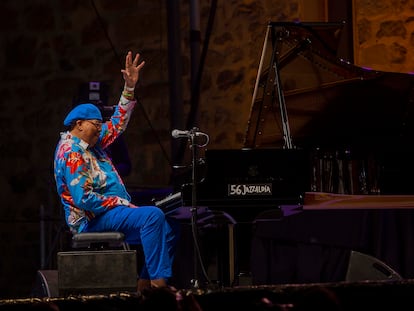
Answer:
x=364 y=295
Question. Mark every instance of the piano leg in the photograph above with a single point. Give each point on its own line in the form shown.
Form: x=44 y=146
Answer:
x=220 y=253
x=216 y=238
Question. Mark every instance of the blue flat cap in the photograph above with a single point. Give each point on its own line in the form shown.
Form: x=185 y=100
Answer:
x=83 y=112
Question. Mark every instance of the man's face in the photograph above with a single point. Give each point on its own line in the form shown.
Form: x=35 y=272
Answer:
x=91 y=131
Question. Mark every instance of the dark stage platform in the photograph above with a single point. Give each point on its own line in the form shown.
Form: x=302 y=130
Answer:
x=295 y=260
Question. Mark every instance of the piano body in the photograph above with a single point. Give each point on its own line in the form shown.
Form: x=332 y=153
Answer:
x=357 y=126
x=318 y=124
x=351 y=126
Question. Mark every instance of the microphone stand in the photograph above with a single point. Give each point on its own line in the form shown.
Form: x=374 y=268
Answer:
x=197 y=254
x=191 y=135
x=194 y=281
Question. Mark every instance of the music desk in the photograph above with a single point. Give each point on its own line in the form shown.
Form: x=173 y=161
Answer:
x=313 y=244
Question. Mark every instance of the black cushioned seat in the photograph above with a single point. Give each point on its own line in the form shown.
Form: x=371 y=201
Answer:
x=99 y=240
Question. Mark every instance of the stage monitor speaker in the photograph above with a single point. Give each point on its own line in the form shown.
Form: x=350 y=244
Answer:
x=365 y=267
x=46 y=284
x=97 y=272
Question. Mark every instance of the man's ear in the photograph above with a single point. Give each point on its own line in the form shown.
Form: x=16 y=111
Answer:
x=78 y=125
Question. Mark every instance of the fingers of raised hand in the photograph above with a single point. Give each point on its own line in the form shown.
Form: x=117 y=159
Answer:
x=135 y=62
x=141 y=65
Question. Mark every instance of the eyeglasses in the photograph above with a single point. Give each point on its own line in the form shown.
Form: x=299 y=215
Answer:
x=96 y=124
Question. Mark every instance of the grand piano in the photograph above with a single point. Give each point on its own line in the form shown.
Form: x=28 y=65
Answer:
x=354 y=124
x=319 y=124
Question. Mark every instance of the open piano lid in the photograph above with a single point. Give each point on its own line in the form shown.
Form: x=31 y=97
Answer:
x=328 y=101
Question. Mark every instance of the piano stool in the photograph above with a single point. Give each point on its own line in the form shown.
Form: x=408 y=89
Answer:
x=99 y=241
x=99 y=263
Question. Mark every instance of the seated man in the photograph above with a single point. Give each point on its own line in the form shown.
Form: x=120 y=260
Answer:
x=92 y=192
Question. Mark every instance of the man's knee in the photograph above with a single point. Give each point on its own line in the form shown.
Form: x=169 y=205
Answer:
x=155 y=215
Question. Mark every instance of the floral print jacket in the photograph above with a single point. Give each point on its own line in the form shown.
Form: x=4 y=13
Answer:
x=87 y=182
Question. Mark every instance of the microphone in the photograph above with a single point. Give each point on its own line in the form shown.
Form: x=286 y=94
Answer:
x=180 y=133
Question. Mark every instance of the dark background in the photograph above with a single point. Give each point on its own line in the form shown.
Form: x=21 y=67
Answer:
x=50 y=48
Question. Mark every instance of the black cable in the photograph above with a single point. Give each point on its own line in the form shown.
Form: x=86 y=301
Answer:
x=139 y=101
x=106 y=33
x=195 y=96
x=195 y=91
x=153 y=130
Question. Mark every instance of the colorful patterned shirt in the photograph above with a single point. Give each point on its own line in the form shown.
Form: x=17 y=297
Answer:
x=86 y=180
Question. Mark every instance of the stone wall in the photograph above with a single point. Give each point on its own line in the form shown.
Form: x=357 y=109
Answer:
x=384 y=35
x=49 y=47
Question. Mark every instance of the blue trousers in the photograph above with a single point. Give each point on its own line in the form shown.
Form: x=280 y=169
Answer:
x=145 y=225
